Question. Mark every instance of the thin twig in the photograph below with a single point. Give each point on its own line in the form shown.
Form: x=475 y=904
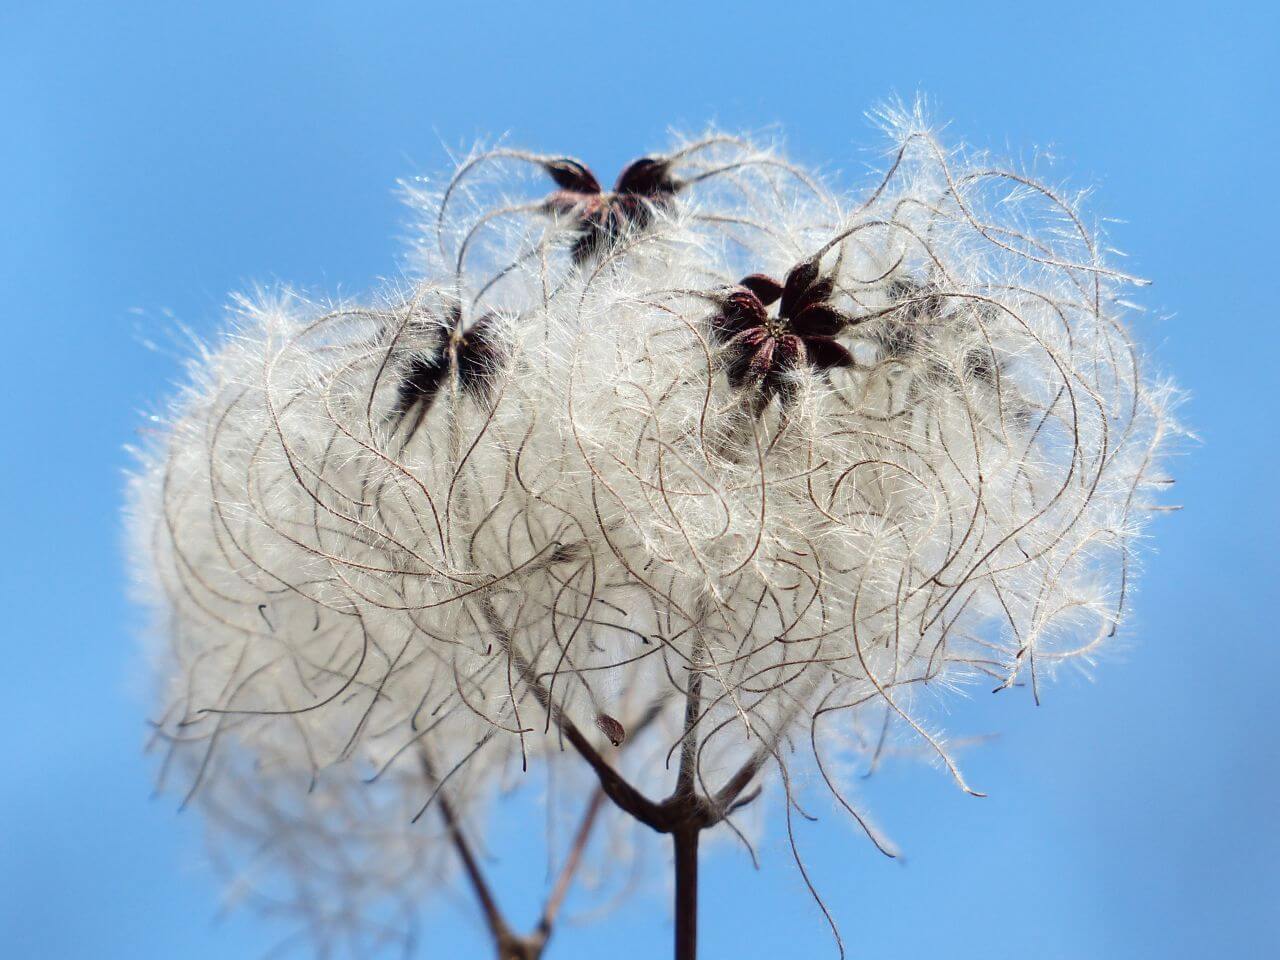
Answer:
x=496 y=922
x=615 y=786
x=571 y=863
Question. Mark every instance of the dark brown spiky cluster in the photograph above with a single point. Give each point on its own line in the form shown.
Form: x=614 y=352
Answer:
x=474 y=353
x=760 y=349
x=645 y=187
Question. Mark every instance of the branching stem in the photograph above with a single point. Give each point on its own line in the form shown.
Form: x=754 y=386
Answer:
x=683 y=815
x=509 y=944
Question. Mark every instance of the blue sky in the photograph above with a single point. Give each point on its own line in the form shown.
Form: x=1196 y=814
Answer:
x=159 y=156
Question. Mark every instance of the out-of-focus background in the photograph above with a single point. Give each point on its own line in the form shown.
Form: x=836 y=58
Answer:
x=157 y=157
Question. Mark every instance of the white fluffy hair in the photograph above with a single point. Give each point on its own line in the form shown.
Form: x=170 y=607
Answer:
x=347 y=589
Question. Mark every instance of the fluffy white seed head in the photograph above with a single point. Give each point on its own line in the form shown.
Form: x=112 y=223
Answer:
x=408 y=535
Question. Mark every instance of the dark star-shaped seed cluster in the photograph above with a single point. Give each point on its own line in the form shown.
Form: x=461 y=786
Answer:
x=760 y=349
x=645 y=187
x=474 y=353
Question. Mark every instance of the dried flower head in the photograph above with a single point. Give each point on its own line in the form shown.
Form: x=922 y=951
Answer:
x=644 y=188
x=574 y=531
x=761 y=349
x=471 y=356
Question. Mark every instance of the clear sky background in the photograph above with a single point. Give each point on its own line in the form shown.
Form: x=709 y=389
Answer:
x=158 y=156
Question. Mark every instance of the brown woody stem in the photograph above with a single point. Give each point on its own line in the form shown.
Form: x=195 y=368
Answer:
x=686 y=903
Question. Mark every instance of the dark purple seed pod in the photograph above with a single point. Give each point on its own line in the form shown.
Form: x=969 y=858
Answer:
x=797 y=283
x=740 y=311
x=647 y=177
x=479 y=355
x=572 y=175
x=766 y=289
x=420 y=383
x=818 y=320
x=423 y=377
x=823 y=353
